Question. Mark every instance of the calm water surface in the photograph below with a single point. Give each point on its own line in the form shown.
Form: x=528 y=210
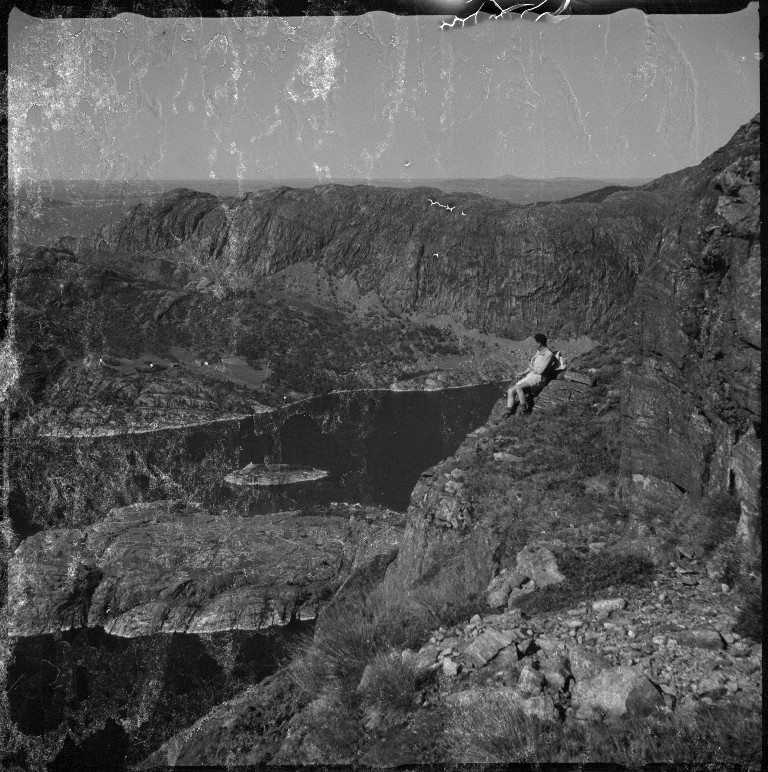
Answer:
x=375 y=444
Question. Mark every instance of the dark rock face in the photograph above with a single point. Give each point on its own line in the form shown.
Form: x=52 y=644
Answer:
x=675 y=263
x=691 y=402
x=568 y=268
x=247 y=727
x=175 y=567
x=444 y=526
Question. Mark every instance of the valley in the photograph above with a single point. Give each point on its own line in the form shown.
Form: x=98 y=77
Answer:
x=454 y=563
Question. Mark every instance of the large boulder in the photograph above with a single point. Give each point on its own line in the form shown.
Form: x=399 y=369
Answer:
x=585 y=664
x=487 y=645
x=615 y=692
x=536 y=567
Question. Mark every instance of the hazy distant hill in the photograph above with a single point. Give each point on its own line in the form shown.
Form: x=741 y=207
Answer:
x=517 y=190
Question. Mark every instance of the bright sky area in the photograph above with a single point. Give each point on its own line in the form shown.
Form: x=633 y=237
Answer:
x=376 y=96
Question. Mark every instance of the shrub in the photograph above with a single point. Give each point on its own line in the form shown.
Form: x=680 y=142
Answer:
x=494 y=730
x=350 y=633
x=730 y=555
x=587 y=575
x=749 y=622
x=390 y=682
x=355 y=629
x=722 y=512
x=446 y=599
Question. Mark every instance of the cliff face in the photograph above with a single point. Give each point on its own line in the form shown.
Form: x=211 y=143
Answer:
x=676 y=264
x=566 y=268
x=691 y=394
x=175 y=567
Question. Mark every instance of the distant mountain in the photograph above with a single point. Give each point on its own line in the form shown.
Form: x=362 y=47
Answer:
x=516 y=190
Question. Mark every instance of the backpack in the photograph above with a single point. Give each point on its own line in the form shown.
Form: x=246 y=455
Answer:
x=557 y=366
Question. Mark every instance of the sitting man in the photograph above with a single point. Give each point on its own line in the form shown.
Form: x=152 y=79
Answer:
x=534 y=375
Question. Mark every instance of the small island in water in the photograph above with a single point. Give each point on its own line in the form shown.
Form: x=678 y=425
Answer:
x=274 y=474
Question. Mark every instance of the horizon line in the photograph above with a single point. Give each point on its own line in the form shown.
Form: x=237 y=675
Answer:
x=362 y=180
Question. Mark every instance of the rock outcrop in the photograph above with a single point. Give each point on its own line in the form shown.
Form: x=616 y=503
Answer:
x=691 y=392
x=175 y=567
x=499 y=666
x=446 y=523
x=675 y=264
x=498 y=267
x=274 y=474
x=248 y=728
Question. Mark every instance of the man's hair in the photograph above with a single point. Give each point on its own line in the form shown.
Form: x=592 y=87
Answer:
x=540 y=338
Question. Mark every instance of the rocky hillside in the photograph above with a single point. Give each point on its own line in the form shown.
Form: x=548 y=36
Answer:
x=175 y=567
x=691 y=418
x=529 y=616
x=675 y=265
x=498 y=267
x=584 y=562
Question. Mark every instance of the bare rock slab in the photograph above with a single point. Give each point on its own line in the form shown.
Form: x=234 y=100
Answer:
x=487 y=645
x=584 y=664
x=176 y=567
x=700 y=638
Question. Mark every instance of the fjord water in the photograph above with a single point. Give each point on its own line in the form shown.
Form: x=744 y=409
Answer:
x=375 y=444
x=129 y=695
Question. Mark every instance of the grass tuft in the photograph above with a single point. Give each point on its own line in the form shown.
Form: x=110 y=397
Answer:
x=587 y=576
x=391 y=682
x=749 y=622
x=355 y=629
x=722 y=513
x=494 y=730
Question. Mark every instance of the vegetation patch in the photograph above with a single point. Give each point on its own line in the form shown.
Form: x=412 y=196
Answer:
x=389 y=682
x=588 y=576
x=749 y=623
x=360 y=625
x=722 y=512
x=494 y=730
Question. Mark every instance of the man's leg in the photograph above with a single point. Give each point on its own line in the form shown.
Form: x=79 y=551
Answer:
x=510 y=397
x=530 y=382
x=520 y=394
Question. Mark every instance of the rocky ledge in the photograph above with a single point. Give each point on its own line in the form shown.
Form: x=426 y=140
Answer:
x=656 y=647
x=658 y=655
x=274 y=474
x=177 y=567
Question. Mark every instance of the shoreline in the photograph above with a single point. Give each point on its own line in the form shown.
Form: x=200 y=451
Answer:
x=106 y=432
x=98 y=433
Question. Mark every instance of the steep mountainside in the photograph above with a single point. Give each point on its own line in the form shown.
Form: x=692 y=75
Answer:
x=569 y=269
x=674 y=264
x=688 y=388
x=576 y=562
x=527 y=612
x=691 y=393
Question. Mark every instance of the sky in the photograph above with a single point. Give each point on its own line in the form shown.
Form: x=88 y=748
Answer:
x=376 y=96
